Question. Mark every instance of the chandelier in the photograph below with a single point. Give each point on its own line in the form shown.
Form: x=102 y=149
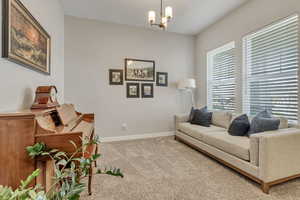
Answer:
x=165 y=17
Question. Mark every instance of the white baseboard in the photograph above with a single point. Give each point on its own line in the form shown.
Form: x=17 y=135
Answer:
x=137 y=137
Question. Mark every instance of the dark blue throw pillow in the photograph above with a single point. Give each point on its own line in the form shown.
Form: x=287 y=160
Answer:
x=239 y=126
x=202 y=117
x=264 y=114
x=262 y=122
x=191 y=114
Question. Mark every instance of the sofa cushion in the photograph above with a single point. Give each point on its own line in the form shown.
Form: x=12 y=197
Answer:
x=197 y=131
x=218 y=138
x=191 y=116
x=202 y=117
x=234 y=145
x=262 y=122
x=239 y=126
x=284 y=122
x=259 y=125
x=221 y=118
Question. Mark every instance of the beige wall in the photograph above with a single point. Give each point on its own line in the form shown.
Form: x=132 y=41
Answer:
x=18 y=83
x=94 y=47
x=250 y=17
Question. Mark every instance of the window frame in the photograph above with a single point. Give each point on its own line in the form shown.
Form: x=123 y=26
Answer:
x=209 y=76
x=245 y=70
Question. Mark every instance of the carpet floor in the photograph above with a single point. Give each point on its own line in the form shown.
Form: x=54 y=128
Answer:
x=164 y=169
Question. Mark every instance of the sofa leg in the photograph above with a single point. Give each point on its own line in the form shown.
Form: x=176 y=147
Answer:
x=265 y=187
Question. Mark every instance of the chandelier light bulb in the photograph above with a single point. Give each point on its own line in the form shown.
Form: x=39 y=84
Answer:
x=151 y=17
x=169 y=12
x=165 y=16
x=164 y=21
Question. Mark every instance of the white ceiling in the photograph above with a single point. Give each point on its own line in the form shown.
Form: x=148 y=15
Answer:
x=190 y=16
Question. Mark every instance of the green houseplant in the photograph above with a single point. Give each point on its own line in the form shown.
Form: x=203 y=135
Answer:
x=69 y=172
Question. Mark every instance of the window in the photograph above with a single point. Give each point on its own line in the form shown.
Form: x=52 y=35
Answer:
x=271 y=69
x=220 y=80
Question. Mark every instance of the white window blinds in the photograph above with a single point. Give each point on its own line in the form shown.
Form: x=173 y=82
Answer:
x=221 y=81
x=271 y=61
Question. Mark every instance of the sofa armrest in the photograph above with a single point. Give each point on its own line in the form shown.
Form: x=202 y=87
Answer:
x=279 y=154
x=180 y=118
x=254 y=150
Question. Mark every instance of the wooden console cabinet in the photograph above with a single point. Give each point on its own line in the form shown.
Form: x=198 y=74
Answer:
x=16 y=133
x=55 y=127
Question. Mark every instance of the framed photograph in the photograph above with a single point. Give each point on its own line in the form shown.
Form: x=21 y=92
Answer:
x=162 y=79
x=139 y=70
x=25 y=41
x=147 y=90
x=133 y=90
x=116 y=77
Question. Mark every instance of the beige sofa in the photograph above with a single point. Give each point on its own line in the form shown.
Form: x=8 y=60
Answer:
x=268 y=158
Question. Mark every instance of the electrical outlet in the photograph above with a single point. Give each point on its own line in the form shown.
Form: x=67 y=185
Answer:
x=124 y=127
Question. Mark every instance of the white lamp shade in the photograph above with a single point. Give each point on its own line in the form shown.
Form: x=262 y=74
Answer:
x=187 y=84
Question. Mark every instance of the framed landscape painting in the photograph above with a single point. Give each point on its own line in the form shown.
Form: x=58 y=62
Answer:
x=139 y=70
x=24 y=40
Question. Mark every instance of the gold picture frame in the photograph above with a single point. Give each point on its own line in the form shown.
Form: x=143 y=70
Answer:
x=25 y=41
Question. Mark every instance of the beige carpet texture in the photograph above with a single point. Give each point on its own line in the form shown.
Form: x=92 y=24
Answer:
x=165 y=169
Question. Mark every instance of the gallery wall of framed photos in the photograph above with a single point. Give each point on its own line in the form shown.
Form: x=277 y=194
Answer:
x=138 y=75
